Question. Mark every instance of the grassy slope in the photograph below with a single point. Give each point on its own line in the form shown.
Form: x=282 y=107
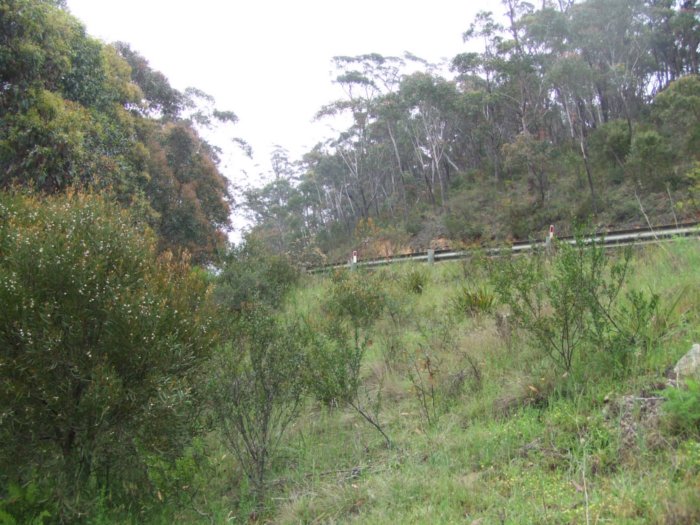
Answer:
x=509 y=439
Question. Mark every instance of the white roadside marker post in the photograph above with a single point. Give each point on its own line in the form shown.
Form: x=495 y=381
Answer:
x=548 y=241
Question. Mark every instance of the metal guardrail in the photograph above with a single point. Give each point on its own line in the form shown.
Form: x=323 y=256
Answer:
x=610 y=239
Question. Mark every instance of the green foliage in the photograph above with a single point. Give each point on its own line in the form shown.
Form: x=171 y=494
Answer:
x=473 y=300
x=357 y=298
x=256 y=390
x=693 y=176
x=252 y=274
x=486 y=429
x=278 y=211
x=610 y=146
x=339 y=344
x=531 y=158
x=176 y=481
x=24 y=504
x=333 y=376
x=649 y=159
x=188 y=192
x=158 y=95
x=571 y=301
x=682 y=409
x=676 y=110
x=101 y=341
x=540 y=127
x=463 y=222
x=44 y=46
x=416 y=280
x=189 y=196
x=68 y=117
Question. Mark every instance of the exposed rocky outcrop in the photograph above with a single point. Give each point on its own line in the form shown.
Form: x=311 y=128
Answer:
x=687 y=367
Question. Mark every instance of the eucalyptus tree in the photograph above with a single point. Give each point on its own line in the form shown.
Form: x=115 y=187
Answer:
x=160 y=99
x=278 y=210
x=571 y=79
x=521 y=70
x=675 y=37
x=364 y=79
x=431 y=107
x=612 y=37
x=686 y=25
x=557 y=88
x=662 y=156
x=478 y=76
x=529 y=155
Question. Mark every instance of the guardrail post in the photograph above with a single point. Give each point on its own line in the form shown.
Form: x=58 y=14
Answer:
x=431 y=257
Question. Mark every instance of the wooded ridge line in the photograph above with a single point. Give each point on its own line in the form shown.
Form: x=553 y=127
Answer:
x=609 y=239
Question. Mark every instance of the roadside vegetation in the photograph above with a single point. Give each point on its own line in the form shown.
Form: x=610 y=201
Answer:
x=150 y=372
x=485 y=421
x=528 y=390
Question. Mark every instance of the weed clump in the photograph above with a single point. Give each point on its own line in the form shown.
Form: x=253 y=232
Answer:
x=473 y=300
x=416 y=280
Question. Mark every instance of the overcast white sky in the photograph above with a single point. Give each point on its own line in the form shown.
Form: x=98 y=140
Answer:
x=269 y=61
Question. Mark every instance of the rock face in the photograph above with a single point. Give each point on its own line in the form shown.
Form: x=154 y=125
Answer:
x=688 y=367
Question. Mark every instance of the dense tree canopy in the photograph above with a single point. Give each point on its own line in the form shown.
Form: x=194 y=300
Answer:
x=74 y=111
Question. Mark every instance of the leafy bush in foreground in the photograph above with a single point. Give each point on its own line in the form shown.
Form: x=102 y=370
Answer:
x=100 y=341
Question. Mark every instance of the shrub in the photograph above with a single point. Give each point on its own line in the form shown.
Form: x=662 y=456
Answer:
x=334 y=378
x=423 y=372
x=573 y=300
x=252 y=274
x=650 y=158
x=463 y=225
x=257 y=389
x=339 y=342
x=100 y=343
x=24 y=504
x=356 y=298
